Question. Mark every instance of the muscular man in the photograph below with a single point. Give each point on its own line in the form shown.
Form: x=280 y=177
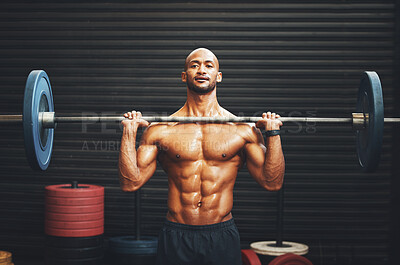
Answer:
x=201 y=161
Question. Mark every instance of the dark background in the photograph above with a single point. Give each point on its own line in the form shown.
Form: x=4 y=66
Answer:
x=296 y=58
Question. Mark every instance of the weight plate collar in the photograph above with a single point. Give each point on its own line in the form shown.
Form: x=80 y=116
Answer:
x=38 y=140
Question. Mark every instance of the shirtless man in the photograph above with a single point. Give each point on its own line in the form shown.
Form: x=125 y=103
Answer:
x=201 y=161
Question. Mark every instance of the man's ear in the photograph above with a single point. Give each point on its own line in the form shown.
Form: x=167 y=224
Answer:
x=219 y=77
x=184 y=77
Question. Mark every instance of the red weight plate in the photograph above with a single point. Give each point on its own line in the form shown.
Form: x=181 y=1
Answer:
x=290 y=259
x=74 y=209
x=83 y=191
x=74 y=233
x=74 y=225
x=74 y=201
x=249 y=257
x=71 y=217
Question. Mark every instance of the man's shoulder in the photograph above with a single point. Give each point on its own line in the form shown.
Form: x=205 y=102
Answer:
x=245 y=126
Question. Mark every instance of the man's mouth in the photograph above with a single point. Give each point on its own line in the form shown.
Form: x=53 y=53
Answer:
x=201 y=78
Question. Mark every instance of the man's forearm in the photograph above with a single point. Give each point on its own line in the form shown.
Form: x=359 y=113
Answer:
x=128 y=170
x=274 y=165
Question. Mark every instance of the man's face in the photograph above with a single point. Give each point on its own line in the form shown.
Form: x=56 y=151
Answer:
x=202 y=73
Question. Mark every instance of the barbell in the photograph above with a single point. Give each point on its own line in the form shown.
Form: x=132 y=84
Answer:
x=39 y=120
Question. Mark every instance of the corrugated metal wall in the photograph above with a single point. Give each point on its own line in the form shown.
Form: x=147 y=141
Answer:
x=300 y=58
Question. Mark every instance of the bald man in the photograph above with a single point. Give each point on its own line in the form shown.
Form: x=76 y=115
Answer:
x=201 y=161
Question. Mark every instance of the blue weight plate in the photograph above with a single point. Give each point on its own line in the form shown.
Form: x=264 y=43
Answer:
x=132 y=250
x=38 y=140
x=129 y=245
x=369 y=139
x=130 y=241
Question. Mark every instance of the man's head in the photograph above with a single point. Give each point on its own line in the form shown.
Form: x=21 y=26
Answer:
x=201 y=71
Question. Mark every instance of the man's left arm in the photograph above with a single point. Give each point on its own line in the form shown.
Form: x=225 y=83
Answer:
x=265 y=161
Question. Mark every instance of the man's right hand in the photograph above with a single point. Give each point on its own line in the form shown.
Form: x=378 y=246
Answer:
x=134 y=118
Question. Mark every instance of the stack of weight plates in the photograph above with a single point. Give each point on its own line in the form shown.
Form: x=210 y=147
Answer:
x=127 y=250
x=5 y=258
x=74 y=224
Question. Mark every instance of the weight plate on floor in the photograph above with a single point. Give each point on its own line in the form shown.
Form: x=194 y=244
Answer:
x=75 y=232
x=87 y=261
x=83 y=191
x=249 y=257
x=135 y=251
x=74 y=217
x=74 y=242
x=269 y=248
x=74 y=225
x=129 y=245
x=74 y=201
x=290 y=259
x=74 y=209
x=128 y=259
x=74 y=253
x=369 y=139
x=128 y=241
x=38 y=140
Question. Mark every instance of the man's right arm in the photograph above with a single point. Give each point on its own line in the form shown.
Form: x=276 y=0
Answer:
x=136 y=166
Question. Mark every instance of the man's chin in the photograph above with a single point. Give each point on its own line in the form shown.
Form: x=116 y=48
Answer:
x=201 y=90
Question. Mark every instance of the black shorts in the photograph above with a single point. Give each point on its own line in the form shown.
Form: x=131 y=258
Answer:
x=180 y=244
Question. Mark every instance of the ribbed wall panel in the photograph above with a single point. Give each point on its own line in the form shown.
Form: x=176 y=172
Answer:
x=297 y=58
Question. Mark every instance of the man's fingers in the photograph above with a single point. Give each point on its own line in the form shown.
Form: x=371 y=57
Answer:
x=133 y=115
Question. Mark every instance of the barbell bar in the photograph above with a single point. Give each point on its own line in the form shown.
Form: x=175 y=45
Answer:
x=49 y=119
x=39 y=120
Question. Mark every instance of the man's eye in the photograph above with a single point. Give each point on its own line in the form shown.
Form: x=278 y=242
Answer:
x=193 y=66
x=209 y=66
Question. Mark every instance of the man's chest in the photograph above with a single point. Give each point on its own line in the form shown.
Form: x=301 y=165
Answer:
x=202 y=141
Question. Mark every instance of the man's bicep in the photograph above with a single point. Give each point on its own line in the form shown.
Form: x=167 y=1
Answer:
x=255 y=155
x=255 y=152
x=148 y=150
x=147 y=159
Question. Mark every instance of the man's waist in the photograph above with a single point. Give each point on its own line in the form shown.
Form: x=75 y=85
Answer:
x=208 y=227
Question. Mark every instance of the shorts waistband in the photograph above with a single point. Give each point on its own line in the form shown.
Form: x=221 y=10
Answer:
x=218 y=226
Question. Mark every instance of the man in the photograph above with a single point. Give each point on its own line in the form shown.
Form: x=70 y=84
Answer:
x=201 y=161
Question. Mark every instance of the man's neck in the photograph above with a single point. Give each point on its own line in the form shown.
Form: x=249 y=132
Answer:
x=202 y=105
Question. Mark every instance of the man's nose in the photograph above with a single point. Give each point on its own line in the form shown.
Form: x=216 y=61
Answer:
x=201 y=69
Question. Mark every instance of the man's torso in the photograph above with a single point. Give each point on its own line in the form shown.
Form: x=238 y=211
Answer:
x=202 y=161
